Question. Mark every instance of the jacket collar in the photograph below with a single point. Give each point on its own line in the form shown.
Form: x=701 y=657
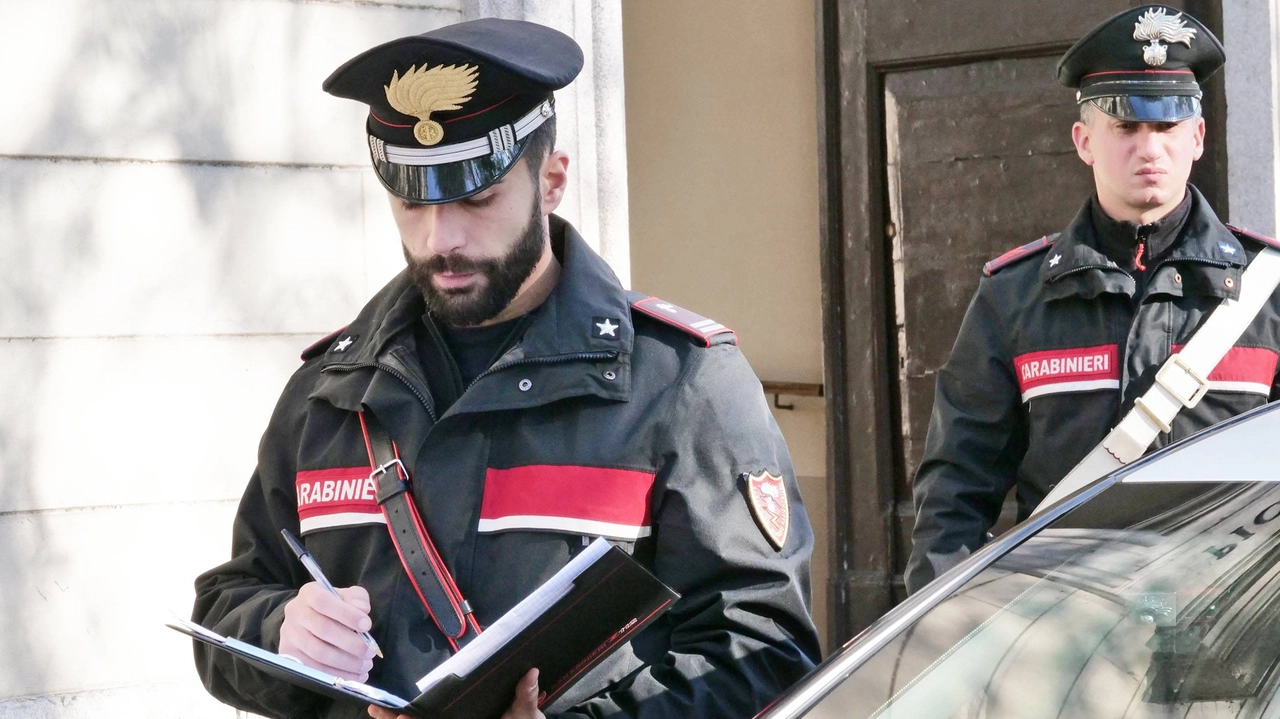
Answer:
x=1119 y=240
x=1074 y=266
x=587 y=313
x=396 y=306
x=581 y=313
x=1205 y=239
x=568 y=322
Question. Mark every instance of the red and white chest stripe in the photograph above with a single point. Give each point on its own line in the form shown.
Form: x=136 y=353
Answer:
x=339 y=497
x=1081 y=369
x=1243 y=369
x=595 y=501
x=1085 y=369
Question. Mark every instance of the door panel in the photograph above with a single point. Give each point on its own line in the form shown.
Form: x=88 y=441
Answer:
x=932 y=29
x=979 y=160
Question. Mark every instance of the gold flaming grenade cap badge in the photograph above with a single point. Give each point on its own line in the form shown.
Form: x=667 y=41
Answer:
x=422 y=91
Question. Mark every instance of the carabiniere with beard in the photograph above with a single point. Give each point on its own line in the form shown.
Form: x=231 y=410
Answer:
x=533 y=404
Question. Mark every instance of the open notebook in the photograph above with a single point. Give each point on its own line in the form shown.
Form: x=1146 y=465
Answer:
x=588 y=609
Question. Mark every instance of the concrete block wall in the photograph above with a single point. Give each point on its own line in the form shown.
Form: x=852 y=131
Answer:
x=182 y=210
x=1251 y=34
x=723 y=132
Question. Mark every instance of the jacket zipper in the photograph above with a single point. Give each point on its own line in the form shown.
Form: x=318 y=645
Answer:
x=1082 y=268
x=576 y=357
x=1212 y=263
x=426 y=404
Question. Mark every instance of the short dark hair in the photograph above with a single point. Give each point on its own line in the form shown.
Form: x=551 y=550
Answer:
x=1087 y=108
x=541 y=143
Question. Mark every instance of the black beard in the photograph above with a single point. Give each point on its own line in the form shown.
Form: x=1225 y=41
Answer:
x=502 y=278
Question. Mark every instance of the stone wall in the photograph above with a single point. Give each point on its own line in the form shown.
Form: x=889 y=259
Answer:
x=1251 y=34
x=182 y=211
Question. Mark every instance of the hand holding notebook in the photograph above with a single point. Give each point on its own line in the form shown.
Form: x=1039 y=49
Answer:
x=588 y=609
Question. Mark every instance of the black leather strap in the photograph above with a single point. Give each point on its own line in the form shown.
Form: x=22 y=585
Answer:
x=418 y=555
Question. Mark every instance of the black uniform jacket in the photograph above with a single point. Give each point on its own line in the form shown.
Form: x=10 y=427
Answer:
x=1053 y=350
x=641 y=434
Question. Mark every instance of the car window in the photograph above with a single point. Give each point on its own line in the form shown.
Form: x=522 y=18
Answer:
x=1151 y=600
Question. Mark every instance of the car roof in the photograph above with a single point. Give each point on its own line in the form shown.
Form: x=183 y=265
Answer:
x=1245 y=448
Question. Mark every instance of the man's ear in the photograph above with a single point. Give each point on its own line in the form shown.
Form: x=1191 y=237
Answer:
x=1080 y=136
x=553 y=179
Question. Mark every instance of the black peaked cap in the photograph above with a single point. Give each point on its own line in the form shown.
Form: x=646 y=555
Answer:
x=507 y=69
x=1140 y=55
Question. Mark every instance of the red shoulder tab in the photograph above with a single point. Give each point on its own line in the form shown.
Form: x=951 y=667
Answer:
x=1268 y=241
x=322 y=345
x=707 y=330
x=1016 y=254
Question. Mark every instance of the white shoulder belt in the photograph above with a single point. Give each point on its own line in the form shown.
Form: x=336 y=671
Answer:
x=1181 y=382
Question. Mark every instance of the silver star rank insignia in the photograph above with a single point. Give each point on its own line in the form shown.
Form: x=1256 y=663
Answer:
x=1053 y=261
x=767 y=495
x=344 y=343
x=607 y=327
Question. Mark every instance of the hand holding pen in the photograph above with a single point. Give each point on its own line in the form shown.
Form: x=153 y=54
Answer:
x=327 y=627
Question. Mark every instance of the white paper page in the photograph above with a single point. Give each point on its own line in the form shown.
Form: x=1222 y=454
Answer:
x=286 y=661
x=516 y=620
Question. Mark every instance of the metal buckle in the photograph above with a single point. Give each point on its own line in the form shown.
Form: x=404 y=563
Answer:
x=391 y=486
x=383 y=469
x=1197 y=395
x=1151 y=415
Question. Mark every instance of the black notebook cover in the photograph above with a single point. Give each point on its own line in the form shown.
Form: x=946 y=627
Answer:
x=611 y=600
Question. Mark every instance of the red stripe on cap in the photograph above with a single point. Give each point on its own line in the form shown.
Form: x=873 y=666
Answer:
x=596 y=494
x=1082 y=364
x=477 y=112
x=388 y=124
x=1244 y=364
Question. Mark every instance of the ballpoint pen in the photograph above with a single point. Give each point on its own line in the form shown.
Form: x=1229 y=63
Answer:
x=314 y=570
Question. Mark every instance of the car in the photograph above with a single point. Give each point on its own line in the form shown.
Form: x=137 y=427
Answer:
x=1151 y=592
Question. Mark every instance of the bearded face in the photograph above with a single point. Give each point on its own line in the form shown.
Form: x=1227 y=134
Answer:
x=494 y=283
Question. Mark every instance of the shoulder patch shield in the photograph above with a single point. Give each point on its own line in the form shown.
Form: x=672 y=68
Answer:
x=321 y=346
x=1247 y=235
x=1016 y=254
x=767 y=495
x=708 y=331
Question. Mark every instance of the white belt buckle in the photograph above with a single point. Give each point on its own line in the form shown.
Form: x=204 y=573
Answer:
x=1153 y=416
x=1163 y=377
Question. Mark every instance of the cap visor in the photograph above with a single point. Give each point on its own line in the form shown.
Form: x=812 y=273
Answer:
x=1142 y=108
x=436 y=184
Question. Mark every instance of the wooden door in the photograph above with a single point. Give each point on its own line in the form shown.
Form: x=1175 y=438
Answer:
x=947 y=141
